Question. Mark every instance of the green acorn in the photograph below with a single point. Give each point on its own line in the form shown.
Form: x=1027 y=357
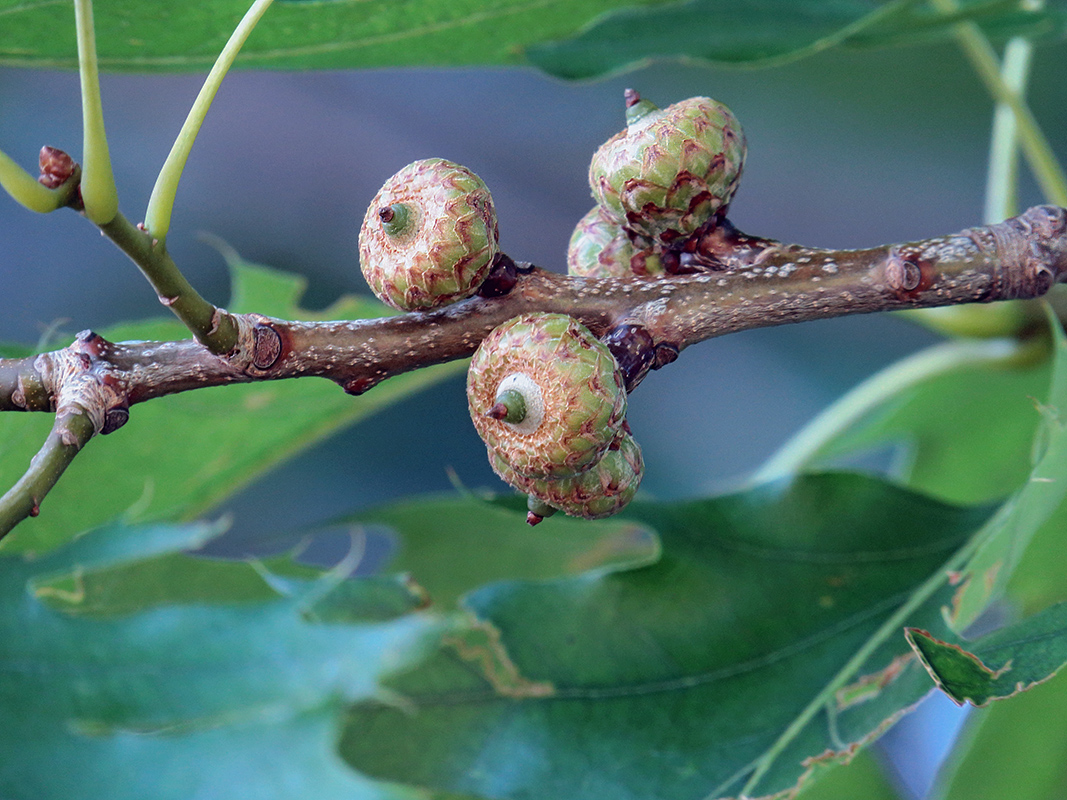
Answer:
x=670 y=170
x=429 y=236
x=600 y=491
x=546 y=395
x=601 y=248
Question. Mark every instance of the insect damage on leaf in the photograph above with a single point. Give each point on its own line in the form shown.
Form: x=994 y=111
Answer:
x=869 y=686
x=480 y=644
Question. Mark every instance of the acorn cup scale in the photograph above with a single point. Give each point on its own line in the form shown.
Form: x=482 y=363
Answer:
x=429 y=236
x=600 y=247
x=571 y=390
x=671 y=170
x=600 y=491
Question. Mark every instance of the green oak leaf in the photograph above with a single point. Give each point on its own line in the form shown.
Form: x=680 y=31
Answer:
x=933 y=409
x=1000 y=664
x=1032 y=768
x=770 y=32
x=197 y=699
x=936 y=407
x=184 y=35
x=678 y=679
x=865 y=779
x=576 y=38
x=455 y=544
x=12 y=350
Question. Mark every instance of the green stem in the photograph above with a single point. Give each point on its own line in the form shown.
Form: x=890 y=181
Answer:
x=1035 y=146
x=25 y=189
x=98 y=181
x=819 y=434
x=69 y=434
x=1002 y=196
x=212 y=327
x=161 y=203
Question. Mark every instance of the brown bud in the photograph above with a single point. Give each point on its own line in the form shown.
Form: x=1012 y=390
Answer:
x=665 y=354
x=56 y=167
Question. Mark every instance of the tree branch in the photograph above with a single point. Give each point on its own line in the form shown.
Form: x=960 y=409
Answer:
x=72 y=429
x=77 y=384
x=731 y=282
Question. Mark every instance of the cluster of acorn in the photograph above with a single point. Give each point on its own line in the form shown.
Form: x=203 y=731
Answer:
x=545 y=394
x=668 y=175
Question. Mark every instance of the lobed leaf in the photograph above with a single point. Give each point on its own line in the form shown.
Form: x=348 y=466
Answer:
x=574 y=39
x=187 y=35
x=456 y=544
x=1000 y=664
x=941 y=424
x=187 y=700
x=677 y=678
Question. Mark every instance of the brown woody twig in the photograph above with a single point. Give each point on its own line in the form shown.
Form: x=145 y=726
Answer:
x=733 y=282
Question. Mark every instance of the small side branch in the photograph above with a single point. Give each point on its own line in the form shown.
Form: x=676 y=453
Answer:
x=79 y=384
x=213 y=327
x=72 y=429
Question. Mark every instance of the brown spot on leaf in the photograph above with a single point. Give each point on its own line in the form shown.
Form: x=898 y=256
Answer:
x=867 y=687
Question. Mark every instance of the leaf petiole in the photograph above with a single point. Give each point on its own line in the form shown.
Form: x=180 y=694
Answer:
x=1035 y=146
x=98 y=191
x=161 y=203
x=818 y=436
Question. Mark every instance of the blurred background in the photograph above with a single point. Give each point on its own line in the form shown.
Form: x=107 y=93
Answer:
x=286 y=164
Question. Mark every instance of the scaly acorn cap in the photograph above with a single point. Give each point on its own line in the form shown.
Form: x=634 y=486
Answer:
x=601 y=248
x=670 y=170
x=600 y=491
x=571 y=392
x=429 y=236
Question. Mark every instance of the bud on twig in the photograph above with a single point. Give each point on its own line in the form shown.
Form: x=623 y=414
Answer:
x=56 y=167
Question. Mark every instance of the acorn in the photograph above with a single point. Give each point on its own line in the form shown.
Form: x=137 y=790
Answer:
x=601 y=248
x=546 y=395
x=600 y=491
x=671 y=170
x=429 y=236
